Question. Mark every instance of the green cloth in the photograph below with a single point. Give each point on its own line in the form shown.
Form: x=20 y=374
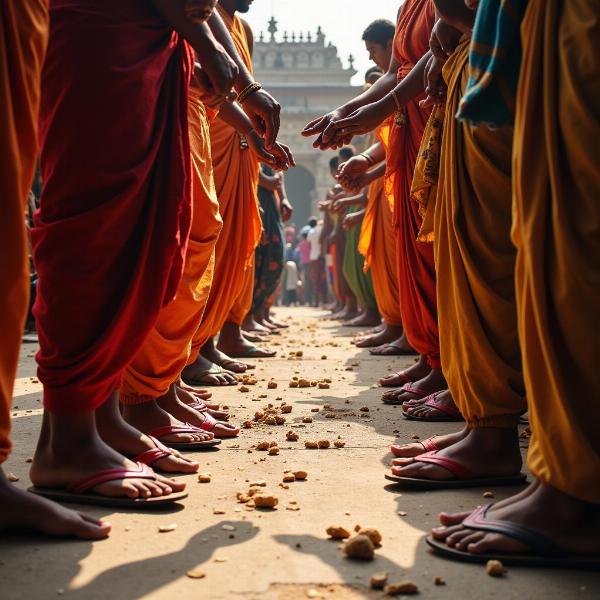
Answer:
x=494 y=64
x=359 y=282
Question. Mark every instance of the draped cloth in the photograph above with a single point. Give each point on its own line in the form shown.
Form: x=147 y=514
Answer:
x=556 y=175
x=475 y=260
x=110 y=236
x=165 y=353
x=359 y=280
x=378 y=242
x=236 y=181
x=495 y=56
x=416 y=270
x=23 y=38
x=270 y=251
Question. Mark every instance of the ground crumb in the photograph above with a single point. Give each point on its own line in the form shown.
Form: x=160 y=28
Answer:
x=402 y=587
x=339 y=444
x=324 y=444
x=359 y=547
x=308 y=419
x=337 y=532
x=265 y=501
x=378 y=580
x=373 y=534
x=495 y=568
x=204 y=478
x=439 y=581
x=292 y=436
x=273 y=451
x=300 y=475
x=311 y=445
x=196 y=574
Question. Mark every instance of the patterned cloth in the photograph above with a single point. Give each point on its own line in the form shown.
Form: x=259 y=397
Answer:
x=494 y=63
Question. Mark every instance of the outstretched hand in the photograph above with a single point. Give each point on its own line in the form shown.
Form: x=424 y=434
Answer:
x=352 y=220
x=265 y=113
x=325 y=130
x=279 y=157
x=351 y=169
x=364 y=120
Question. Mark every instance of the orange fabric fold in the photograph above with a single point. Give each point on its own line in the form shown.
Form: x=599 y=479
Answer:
x=23 y=39
x=166 y=350
x=236 y=180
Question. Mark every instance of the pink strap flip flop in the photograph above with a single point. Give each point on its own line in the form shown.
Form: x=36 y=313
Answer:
x=79 y=492
x=210 y=423
x=463 y=477
x=402 y=376
x=201 y=406
x=162 y=432
x=429 y=445
x=153 y=455
x=449 y=412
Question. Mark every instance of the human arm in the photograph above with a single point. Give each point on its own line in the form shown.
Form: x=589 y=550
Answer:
x=351 y=220
x=360 y=163
x=285 y=206
x=262 y=109
x=362 y=180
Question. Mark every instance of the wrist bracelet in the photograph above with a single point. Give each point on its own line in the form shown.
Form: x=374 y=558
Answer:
x=370 y=159
x=248 y=91
x=400 y=116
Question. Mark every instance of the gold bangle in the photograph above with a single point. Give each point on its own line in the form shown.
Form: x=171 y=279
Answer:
x=370 y=159
x=248 y=91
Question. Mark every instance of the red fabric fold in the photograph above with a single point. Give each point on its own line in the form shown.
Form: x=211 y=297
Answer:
x=109 y=239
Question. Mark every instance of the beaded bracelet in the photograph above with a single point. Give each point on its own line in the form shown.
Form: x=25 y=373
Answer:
x=248 y=91
x=370 y=159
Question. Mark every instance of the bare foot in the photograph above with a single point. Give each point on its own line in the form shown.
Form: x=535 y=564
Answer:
x=250 y=324
x=273 y=321
x=254 y=338
x=433 y=382
x=405 y=452
x=149 y=416
x=70 y=450
x=485 y=452
x=213 y=355
x=384 y=335
x=20 y=510
x=203 y=372
x=131 y=442
x=417 y=371
x=201 y=395
x=572 y=524
x=368 y=318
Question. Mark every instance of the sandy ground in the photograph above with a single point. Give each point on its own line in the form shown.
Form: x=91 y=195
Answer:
x=282 y=554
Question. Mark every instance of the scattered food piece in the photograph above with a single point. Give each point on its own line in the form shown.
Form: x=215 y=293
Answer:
x=242 y=498
x=272 y=385
x=357 y=528
x=308 y=419
x=228 y=527
x=303 y=383
x=286 y=409
x=314 y=410
x=378 y=580
x=311 y=445
x=196 y=574
x=495 y=568
x=218 y=511
x=373 y=534
x=300 y=475
x=439 y=580
x=280 y=420
x=167 y=528
x=292 y=436
x=244 y=389
x=324 y=444
x=402 y=513
x=337 y=532
x=323 y=385
x=402 y=587
x=364 y=409
x=289 y=478
x=324 y=357
x=263 y=446
x=488 y=494
x=259 y=483
x=265 y=501
x=312 y=594
x=359 y=547
x=204 y=478
x=273 y=451
x=339 y=444
x=270 y=420
x=247 y=425
x=292 y=507
x=299 y=354
x=12 y=477
x=293 y=384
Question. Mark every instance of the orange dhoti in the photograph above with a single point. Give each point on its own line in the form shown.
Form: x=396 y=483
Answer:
x=23 y=38
x=236 y=180
x=378 y=245
x=166 y=350
x=416 y=268
x=475 y=261
x=556 y=175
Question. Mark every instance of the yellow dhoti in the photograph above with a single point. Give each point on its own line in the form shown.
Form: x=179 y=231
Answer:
x=557 y=233
x=475 y=263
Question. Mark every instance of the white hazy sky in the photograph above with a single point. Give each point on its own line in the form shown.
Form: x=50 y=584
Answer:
x=342 y=21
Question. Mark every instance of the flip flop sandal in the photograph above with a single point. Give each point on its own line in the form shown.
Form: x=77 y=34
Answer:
x=79 y=492
x=214 y=370
x=227 y=364
x=149 y=457
x=404 y=380
x=201 y=407
x=464 y=478
x=161 y=432
x=411 y=389
x=429 y=445
x=544 y=552
x=450 y=413
x=254 y=352
x=209 y=425
x=400 y=351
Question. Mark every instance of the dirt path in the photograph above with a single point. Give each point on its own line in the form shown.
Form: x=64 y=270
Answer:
x=282 y=554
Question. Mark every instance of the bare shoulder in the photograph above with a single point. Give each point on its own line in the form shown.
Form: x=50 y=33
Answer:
x=249 y=33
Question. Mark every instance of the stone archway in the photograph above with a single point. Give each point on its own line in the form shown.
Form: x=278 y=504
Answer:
x=300 y=186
